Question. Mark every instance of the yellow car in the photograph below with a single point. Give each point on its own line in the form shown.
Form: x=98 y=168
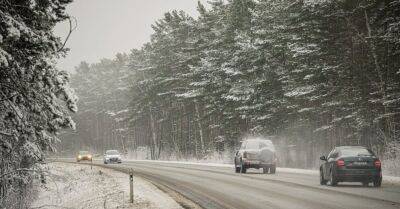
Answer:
x=83 y=155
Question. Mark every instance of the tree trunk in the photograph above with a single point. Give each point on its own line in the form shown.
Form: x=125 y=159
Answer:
x=200 y=126
x=378 y=69
x=153 y=135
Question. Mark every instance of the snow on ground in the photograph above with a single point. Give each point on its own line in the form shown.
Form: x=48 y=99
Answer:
x=72 y=186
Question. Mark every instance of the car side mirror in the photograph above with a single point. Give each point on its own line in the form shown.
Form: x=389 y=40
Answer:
x=323 y=158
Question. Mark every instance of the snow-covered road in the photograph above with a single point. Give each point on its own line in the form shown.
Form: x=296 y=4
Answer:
x=216 y=186
x=76 y=186
x=213 y=186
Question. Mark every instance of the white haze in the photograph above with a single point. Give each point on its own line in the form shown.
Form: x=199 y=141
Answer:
x=106 y=28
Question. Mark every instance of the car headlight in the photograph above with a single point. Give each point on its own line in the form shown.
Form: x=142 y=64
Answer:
x=79 y=156
x=89 y=156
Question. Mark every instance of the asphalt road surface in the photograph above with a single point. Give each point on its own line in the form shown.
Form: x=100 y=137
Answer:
x=220 y=187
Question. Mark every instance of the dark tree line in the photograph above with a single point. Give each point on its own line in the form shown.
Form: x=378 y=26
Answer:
x=308 y=74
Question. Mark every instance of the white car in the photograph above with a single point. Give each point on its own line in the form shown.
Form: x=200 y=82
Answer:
x=112 y=156
x=256 y=153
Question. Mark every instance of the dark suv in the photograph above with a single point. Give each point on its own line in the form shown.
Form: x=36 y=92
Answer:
x=351 y=164
x=256 y=153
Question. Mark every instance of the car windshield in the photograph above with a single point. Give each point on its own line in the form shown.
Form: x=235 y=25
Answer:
x=83 y=152
x=112 y=152
x=356 y=152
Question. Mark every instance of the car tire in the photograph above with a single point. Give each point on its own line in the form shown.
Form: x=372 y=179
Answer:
x=333 y=180
x=272 y=169
x=377 y=182
x=105 y=162
x=322 y=181
x=237 y=169
x=242 y=168
x=265 y=170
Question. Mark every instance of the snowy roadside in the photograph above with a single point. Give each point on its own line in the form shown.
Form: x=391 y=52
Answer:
x=78 y=186
x=386 y=179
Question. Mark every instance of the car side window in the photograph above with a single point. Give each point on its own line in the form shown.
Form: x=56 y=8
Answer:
x=372 y=153
x=335 y=155
x=329 y=155
x=332 y=154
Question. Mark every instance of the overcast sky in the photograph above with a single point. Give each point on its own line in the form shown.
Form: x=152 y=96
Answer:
x=106 y=27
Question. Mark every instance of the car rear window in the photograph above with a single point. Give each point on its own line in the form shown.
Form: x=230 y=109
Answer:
x=255 y=144
x=266 y=144
x=356 y=152
x=83 y=152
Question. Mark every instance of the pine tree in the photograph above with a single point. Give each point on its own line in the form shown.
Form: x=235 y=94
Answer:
x=35 y=98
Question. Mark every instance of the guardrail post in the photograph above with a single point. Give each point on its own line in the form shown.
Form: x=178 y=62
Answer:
x=131 y=185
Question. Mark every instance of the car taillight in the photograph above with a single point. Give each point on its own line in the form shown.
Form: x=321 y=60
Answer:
x=377 y=164
x=340 y=163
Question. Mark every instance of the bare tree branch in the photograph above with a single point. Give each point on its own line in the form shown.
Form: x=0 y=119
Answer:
x=73 y=24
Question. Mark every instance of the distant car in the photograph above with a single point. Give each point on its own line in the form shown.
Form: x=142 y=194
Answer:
x=112 y=156
x=83 y=155
x=351 y=164
x=255 y=153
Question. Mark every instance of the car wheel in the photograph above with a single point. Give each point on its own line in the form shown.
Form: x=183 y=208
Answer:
x=105 y=162
x=322 y=181
x=237 y=169
x=242 y=168
x=378 y=182
x=265 y=170
x=333 y=180
x=272 y=169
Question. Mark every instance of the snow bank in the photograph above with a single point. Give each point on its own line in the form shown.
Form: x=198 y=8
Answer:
x=143 y=153
x=185 y=163
x=79 y=186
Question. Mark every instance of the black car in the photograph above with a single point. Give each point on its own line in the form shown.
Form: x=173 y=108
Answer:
x=256 y=153
x=351 y=164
